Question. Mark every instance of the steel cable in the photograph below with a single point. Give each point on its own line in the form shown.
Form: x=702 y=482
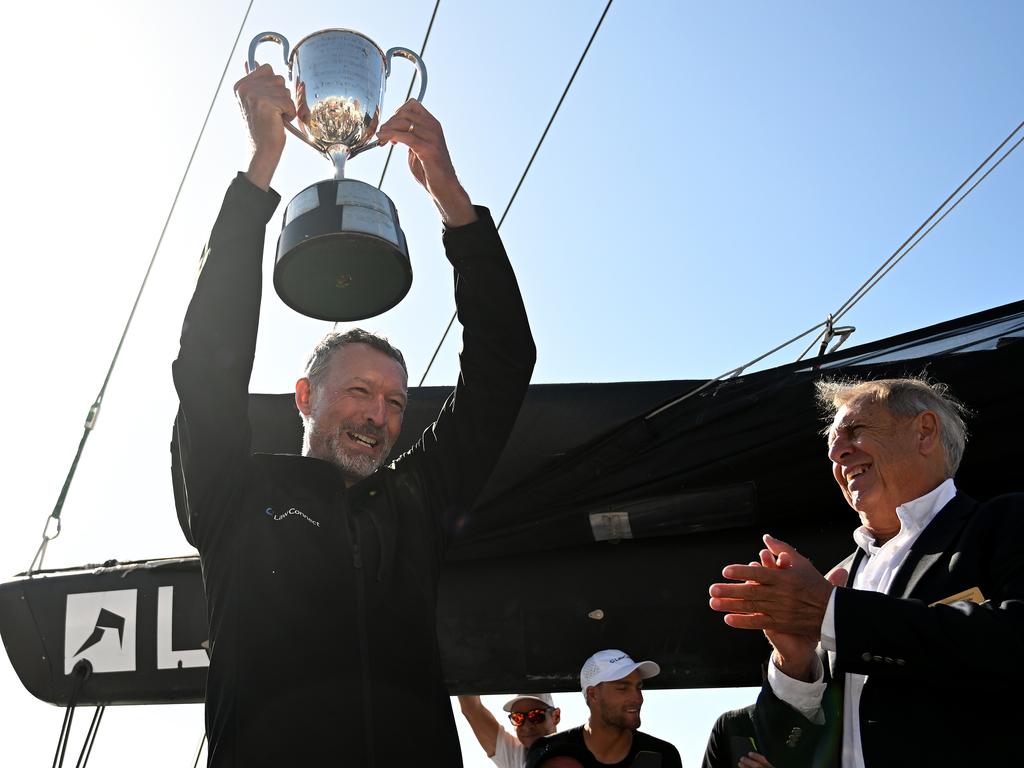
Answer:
x=910 y=243
x=94 y=410
x=872 y=281
x=526 y=170
x=408 y=94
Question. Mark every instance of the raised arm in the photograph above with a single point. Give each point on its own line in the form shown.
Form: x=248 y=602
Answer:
x=461 y=449
x=218 y=337
x=485 y=726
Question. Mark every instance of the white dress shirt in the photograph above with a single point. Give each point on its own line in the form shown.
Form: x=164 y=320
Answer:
x=875 y=574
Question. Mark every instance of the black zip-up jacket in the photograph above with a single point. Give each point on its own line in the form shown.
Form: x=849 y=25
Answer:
x=321 y=598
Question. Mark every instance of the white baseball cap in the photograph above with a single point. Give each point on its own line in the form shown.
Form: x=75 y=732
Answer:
x=613 y=664
x=544 y=698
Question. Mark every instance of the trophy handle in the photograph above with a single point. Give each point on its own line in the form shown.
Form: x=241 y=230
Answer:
x=405 y=53
x=268 y=37
x=276 y=37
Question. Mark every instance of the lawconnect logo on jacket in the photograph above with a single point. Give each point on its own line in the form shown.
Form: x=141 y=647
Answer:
x=278 y=516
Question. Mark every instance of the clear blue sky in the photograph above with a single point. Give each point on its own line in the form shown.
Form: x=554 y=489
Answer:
x=720 y=177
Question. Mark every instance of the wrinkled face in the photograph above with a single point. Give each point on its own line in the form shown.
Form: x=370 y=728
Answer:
x=617 y=702
x=355 y=412
x=528 y=732
x=877 y=462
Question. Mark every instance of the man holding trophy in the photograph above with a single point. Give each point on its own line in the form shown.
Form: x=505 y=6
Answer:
x=321 y=570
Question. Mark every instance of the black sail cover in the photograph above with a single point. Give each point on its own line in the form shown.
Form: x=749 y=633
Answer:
x=619 y=503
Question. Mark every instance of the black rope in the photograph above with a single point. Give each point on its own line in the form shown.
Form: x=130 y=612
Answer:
x=79 y=673
x=62 y=741
x=526 y=170
x=731 y=374
x=90 y=736
x=910 y=243
x=433 y=357
x=199 y=751
x=408 y=94
x=94 y=411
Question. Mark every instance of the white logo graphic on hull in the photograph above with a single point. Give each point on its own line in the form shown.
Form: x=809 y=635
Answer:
x=166 y=656
x=100 y=627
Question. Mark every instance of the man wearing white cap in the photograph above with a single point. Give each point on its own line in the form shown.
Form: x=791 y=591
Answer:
x=612 y=684
x=533 y=715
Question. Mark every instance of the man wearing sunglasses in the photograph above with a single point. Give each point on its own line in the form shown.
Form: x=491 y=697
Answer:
x=533 y=715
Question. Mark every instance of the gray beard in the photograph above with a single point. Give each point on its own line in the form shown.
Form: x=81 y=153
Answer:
x=356 y=466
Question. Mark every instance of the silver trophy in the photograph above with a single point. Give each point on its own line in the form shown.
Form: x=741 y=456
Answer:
x=341 y=255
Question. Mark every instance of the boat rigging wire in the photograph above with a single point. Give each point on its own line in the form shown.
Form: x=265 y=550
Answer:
x=408 y=95
x=831 y=332
x=94 y=410
x=79 y=673
x=526 y=170
x=90 y=736
x=827 y=326
x=732 y=373
x=904 y=248
x=199 y=752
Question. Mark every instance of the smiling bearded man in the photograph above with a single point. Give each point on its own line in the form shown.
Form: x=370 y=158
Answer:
x=321 y=570
x=352 y=400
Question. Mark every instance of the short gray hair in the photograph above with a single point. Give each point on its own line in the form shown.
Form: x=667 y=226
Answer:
x=905 y=398
x=321 y=354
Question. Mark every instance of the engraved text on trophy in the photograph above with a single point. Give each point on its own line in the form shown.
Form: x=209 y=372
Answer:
x=340 y=87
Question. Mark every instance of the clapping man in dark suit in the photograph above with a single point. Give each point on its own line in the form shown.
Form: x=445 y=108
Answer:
x=919 y=658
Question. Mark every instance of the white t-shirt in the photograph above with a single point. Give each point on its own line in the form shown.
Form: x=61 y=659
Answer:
x=508 y=752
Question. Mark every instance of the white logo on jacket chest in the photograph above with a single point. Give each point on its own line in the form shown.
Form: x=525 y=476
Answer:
x=278 y=516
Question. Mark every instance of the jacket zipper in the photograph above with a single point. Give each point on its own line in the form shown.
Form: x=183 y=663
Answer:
x=364 y=648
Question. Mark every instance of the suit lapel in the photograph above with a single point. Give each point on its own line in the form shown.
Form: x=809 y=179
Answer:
x=851 y=564
x=924 y=553
x=932 y=544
